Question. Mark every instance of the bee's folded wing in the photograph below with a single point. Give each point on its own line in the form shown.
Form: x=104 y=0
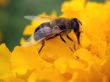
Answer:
x=38 y=18
x=30 y=41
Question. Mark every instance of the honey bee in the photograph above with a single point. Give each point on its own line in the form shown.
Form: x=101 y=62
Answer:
x=56 y=27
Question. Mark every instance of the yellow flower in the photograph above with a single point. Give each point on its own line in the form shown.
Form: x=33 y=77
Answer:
x=56 y=62
x=4 y=62
x=3 y=2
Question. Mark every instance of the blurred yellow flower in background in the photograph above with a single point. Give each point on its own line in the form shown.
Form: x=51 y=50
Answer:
x=56 y=63
x=3 y=2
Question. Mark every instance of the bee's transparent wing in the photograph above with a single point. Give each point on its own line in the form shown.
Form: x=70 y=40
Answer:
x=38 y=18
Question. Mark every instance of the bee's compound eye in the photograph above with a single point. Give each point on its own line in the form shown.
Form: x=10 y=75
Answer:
x=75 y=24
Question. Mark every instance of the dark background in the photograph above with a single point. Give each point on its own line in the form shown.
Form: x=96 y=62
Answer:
x=12 y=12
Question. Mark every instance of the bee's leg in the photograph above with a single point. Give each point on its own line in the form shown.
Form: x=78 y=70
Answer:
x=69 y=38
x=62 y=39
x=78 y=35
x=43 y=43
x=65 y=43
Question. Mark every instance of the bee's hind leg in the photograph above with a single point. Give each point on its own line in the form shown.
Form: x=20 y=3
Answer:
x=71 y=41
x=65 y=43
x=43 y=44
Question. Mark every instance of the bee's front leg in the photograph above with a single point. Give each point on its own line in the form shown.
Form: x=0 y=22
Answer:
x=43 y=44
x=71 y=40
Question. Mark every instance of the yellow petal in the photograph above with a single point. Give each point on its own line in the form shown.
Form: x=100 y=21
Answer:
x=87 y=57
x=46 y=75
x=26 y=58
x=5 y=65
x=55 y=48
x=105 y=67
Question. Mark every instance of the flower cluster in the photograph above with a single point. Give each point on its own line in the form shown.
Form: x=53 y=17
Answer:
x=56 y=63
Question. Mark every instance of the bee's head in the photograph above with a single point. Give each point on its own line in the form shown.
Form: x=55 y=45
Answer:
x=75 y=24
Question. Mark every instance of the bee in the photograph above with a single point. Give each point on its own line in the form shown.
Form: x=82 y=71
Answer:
x=56 y=27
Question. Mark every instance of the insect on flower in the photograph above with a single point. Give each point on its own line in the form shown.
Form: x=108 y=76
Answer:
x=55 y=27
